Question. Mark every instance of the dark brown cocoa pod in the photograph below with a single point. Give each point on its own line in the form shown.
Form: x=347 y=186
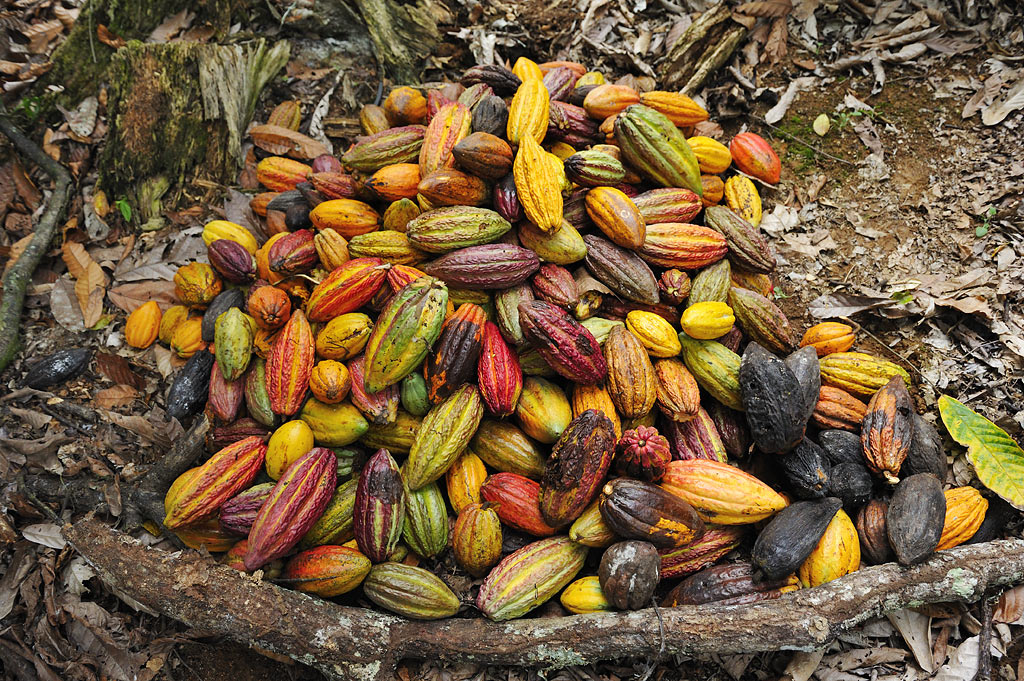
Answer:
x=286 y=200
x=580 y=93
x=850 y=482
x=804 y=365
x=732 y=428
x=788 y=538
x=225 y=300
x=629 y=573
x=620 y=270
x=773 y=401
x=730 y=584
x=872 y=534
x=806 y=470
x=841 y=446
x=490 y=115
x=576 y=468
x=297 y=217
x=888 y=429
x=998 y=514
x=917 y=512
x=453 y=359
x=926 y=453
x=643 y=510
x=501 y=79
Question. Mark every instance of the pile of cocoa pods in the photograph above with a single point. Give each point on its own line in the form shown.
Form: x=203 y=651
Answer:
x=525 y=328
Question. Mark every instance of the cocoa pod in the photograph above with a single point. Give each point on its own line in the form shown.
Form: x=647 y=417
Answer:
x=577 y=467
x=888 y=429
x=410 y=592
x=915 y=517
x=379 y=511
x=529 y=577
x=629 y=573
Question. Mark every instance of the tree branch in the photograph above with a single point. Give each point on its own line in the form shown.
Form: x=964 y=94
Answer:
x=357 y=643
x=20 y=273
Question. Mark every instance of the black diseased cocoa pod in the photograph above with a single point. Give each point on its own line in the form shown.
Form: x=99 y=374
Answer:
x=579 y=94
x=643 y=510
x=59 y=367
x=577 y=467
x=490 y=115
x=917 y=512
x=191 y=386
x=297 y=217
x=732 y=428
x=502 y=80
x=285 y=200
x=804 y=365
x=787 y=540
x=773 y=400
x=926 y=453
x=998 y=514
x=806 y=470
x=225 y=300
x=872 y=534
x=730 y=584
x=841 y=446
x=852 y=483
x=629 y=573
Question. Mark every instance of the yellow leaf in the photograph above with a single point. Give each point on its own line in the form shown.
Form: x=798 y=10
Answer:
x=997 y=459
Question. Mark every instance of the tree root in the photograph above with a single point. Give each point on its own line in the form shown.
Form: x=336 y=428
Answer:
x=357 y=643
x=20 y=273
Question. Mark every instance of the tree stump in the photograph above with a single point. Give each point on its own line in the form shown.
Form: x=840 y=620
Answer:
x=701 y=50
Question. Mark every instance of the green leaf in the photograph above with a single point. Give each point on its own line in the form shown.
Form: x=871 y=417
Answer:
x=981 y=230
x=997 y=459
x=125 y=208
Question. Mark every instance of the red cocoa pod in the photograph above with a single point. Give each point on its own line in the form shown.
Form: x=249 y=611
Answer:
x=888 y=429
x=506 y=199
x=239 y=512
x=335 y=185
x=517 y=500
x=326 y=571
x=571 y=124
x=565 y=345
x=294 y=505
x=453 y=359
x=714 y=544
x=232 y=261
x=643 y=453
x=697 y=438
x=346 y=289
x=380 y=507
x=225 y=397
x=221 y=477
x=499 y=375
x=290 y=364
x=220 y=437
x=294 y=253
x=556 y=285
x=754 y=156
x=577 y=467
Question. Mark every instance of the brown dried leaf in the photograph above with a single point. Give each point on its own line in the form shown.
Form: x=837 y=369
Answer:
x=115 y=396
x=63 y=307
x=171 y=26
x=90 y=281
x=1010 y=607
x=769 y=9
x=26 y=188
x=164 y=360
x=39 y=35
x=775 y=47
x=118 y=370
x=130 y=296
x=108 y=37
x=285 y=142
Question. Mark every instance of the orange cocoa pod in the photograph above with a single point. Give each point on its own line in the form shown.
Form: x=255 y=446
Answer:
x=196 y=284
x=887 y=429
x=517 y=501
x=838 y=409
x=405 y=106
x=829 y=337
x=289 y=365
x=373 y=119
x=713 y=190
x=258 y=203
x=346 y=289
x=448 y=127
x=143 y=325
x=395 y=181
x=607 y=100
x=187 y=338
x=754 y=156
x=330 y=381
x=280 y=174
x=269 y=307
x=347 y=217
x=464 y=480
x=617 y=216
x=332 y=249
x=450 y=187
x=680 y=109
x=476 y=539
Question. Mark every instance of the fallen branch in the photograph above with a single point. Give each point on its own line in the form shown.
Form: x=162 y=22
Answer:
x=702 y=48
x=20 y=273
x=355 y=643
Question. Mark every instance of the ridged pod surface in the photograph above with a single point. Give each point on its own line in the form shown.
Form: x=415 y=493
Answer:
x=464 y=479
x=965 y=511
x=621 y=270
x=346 y=289
x=453 y=359
x=716 y=368
x=426 y=521
x=294 y=505
x=529 y=577
x=577 y=467
x=335 y=524
x=538 y=186
x=476 y=539
x=393 y=145
x=410 y=591
x=448 y=229
x=858 y=373
x=887 y=429
x=490 y=266
x=447 y=128
x=632 y=382
x=742 y=197
x=754 y=156
x=379 y=511
x=198 y=493
x=668 y=204
x=326 y=571
x=656 y=148
x=406 y=329
x=569 y=348
x=446 y=431
x=680 y=245
x=678 y=392
x=517 y=502
x=829 y=337
x=697 y=438
x=837 y=553
x=748 y=247
x=617 y=216
x=714 y=544
x=528 y=112
x=506 y=448
x=720 y=493
x=643 y=510
x=499 y=375
x=289 y=365
x=584 y=596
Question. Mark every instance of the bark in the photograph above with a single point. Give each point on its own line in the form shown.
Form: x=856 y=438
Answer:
x=19 y=274
x=403 y=35
x=701 y=49
x=357 y=643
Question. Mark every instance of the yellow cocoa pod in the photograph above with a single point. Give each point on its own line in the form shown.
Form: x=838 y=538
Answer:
x=590 y=78
x=143 y=325
x=289 y=442
x=742 y=197
x=527 y=69
x=330 y=381
x=464 y=480
x=538 y=186
x=344 y=337
x=837 y=553
x=561 y=150
x=174 y=316
x=858 y=373
x=586 y=397
x=223 y=229
x=713 y=157
x=584 y=596
x=187 y=338
x=196 y=284
x=528 y=113
x=332 y=248
x=708 y=320
x=654 y=331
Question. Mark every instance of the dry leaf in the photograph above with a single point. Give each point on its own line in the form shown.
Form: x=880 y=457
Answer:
x=1010 y=607
x=116 y=396
x=130 y=296
x=90 y=281
x=39 y=35
x=775 y=47
x=994 y=113
x=284 y=142
x=771 y=9
x=27 y=190
x=915 y=629
x=171 y=26
x=47 y=534
x=118 y=370
x=164 y=360
x=63 y=306
x=17 y=248
x=82 y=120
x=107 y=37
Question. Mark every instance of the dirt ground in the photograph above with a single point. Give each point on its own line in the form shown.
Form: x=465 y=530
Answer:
x=921 y=247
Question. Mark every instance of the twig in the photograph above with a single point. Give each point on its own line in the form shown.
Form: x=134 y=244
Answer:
x=985 y=642
x=805 y=143
x=20 y=273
